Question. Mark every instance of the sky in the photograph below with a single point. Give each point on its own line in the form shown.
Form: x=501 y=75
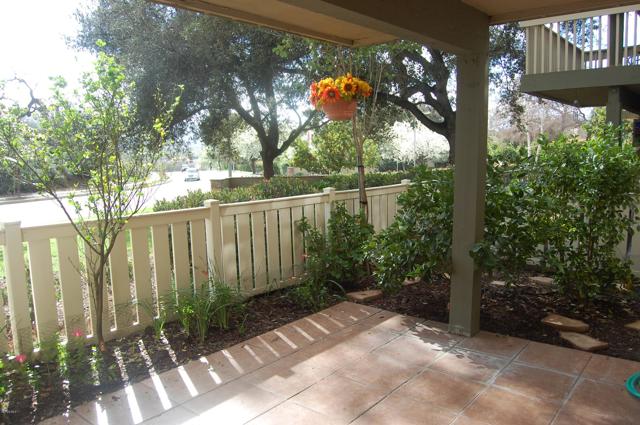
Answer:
x=33 y=46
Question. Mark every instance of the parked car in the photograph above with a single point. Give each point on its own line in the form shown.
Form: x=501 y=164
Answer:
x=192 y=174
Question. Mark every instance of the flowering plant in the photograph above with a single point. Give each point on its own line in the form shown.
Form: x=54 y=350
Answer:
x=345 y=88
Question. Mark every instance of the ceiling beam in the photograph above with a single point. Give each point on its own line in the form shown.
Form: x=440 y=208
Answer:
x=206 y=8
x=448 y=25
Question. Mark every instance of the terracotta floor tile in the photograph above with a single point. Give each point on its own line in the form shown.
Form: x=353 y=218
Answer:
x=435 y=332
x=464 y=420
x=176 y=416
x=351 y=311
x=398 y=410
x=364 y=336
x=292 y=413
x=71 y=418
x=494 y=344
x=469 y=365
x=273 y=343
x=595 y=402
x=340 y=398
x=499 y=407
x=548 y=356
x=379 y=370
x=328 y=354
x=610 y=369
x=442 y=390
x=131 y=405
x=233 y=403
x=185 y=382
x=286 y=377
x=412 y=351
x=330 y=323
x=392 y=321
x=535 y=382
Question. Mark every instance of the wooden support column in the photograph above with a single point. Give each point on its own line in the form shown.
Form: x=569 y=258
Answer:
x=614 y=108
x=469 y=187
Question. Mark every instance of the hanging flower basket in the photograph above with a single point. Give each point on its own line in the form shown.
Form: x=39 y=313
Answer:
x=338 y=97
x=340 y=110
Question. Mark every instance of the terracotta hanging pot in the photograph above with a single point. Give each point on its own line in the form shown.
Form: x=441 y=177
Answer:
x=340 y=110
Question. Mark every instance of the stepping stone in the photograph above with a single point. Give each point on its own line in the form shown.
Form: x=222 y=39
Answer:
x=583 y=342
x=497 y=283
x=635 y=325
x=542 y=280
x=411 y=281
x=562 y=323
x=363 y=296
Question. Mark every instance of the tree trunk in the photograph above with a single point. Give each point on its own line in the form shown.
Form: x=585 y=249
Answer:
x=98 y=279
x=362 y=191
x=267 y=166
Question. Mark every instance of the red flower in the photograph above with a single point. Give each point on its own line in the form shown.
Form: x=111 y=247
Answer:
x=331 y=95
x=77 y=333
x=21 y=358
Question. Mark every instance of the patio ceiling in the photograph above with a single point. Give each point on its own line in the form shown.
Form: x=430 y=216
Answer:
x=446 y=24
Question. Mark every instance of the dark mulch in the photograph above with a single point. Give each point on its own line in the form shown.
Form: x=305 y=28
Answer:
x=52 y=396
x=517 y=311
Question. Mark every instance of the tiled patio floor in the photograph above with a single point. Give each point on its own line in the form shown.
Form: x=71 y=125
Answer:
x=356 y=364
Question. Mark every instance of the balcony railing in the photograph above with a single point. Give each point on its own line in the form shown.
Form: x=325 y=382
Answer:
x=594 y=40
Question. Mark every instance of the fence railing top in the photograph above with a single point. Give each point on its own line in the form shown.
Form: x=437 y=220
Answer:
x=575 y=16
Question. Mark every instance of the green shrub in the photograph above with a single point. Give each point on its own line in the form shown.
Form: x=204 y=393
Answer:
x=278 y=187
x=418 y=242
x=334 y=261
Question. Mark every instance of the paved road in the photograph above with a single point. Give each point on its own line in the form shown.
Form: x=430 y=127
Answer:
x=47 y=211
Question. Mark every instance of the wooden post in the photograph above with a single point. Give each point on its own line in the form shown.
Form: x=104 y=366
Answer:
x=328 y=206
x=469 y=188
x=17 y=289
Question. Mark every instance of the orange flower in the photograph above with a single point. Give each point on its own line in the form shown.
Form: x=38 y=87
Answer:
x=330 y=95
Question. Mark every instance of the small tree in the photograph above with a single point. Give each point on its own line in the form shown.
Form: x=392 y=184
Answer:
x=96 y=127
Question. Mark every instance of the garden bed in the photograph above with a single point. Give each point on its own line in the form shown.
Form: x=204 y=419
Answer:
x=517 y=311
x=40 y=392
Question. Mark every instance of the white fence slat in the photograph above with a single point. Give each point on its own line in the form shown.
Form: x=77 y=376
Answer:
x=298 y=241
x=214 y=238
x=391 y=208
x=181 y=267
x=161 y=260
x=384 y=218
x=273 y=248
x=286 y=243
x=230 y=268
x=319 y=209
x=119 y=267
x=71 y=285
x=199 y=253
x=17 y=289
x=259 y=251
x=4 y=341
x=43 y=289
x=244 y=253
x=142 y=273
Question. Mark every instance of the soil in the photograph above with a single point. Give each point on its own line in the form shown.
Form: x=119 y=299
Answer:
x=40 y=392
x=517 y=310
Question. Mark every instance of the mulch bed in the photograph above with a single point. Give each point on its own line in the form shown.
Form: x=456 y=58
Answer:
x=517 y=311
x=53 y=396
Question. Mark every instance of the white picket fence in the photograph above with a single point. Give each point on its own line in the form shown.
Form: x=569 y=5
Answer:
x=254 y=246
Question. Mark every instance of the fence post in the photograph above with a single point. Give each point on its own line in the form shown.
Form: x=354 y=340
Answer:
x=328 y=205
x=405 y=182
x=214 y=238
x=17 y=291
